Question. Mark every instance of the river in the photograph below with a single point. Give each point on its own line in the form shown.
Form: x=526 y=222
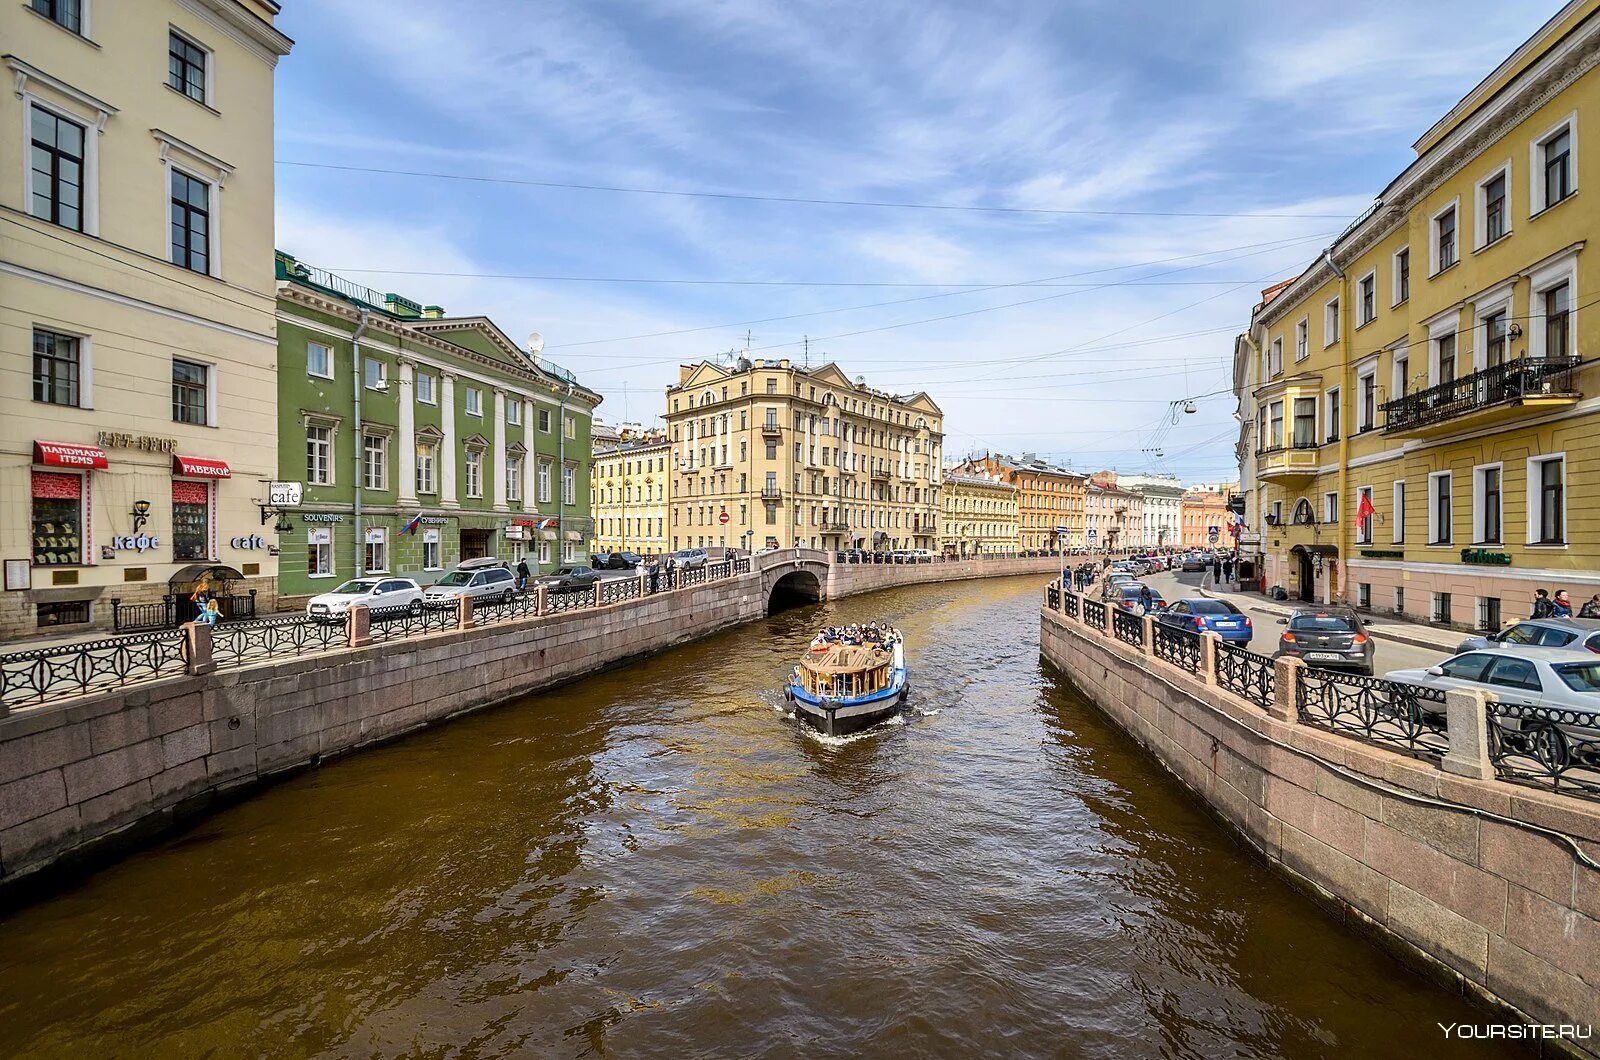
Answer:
x=656 y=862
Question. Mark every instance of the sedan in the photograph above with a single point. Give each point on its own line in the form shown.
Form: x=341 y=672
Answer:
x=569 y=579
x=1130 y=597
x=369 y=592
x=1194 y=562
x=1217 y=616
x=1332 y=639
x=1572 y=633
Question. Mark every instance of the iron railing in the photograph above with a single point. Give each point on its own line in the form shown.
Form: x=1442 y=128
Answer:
x=1127 y=627
x=75 y=669
x=617 y=590
x=1496 y=385
x=393 y=623
x=1178 y=645
x=1405 y=718
x=1094 y=614
x=504 y=609
x=1069 y=606
x=568 y=600
x=131 y=618
x=1052 y=597
x=236 y=643
x=1245 y=673
x=1547 y=747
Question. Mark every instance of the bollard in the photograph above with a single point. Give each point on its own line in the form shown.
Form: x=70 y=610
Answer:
x=358 y=626
x=599 y=584
x=464 y=616
x=1285 y=688
x=1467 y=714
x=1208 y=656
x=197 y=639
x=541 y=599
x=1061 y=598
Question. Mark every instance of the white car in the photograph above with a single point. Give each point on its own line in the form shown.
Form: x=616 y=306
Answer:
x=475 y=579
x=374 y=592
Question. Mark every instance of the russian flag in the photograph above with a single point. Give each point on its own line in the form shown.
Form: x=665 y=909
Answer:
x=411 y=527
x=547 y=524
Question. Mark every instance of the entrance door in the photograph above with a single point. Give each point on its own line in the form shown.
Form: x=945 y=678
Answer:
x=475 y=544
x=1308 y=579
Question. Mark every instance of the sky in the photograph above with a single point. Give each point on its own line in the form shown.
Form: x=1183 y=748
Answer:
x=1086 y=197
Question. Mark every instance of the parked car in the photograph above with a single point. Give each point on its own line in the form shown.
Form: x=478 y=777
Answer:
x=1217 y=616
x=474 y=579
x=1193 y=561
x=687 y=558
x=371 y=592
x=568 y=579
x=1129 y=596
x=614 y=560
x=1328 y=638
x=1575 y=633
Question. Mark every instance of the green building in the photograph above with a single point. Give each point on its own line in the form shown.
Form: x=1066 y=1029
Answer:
x=394 y=415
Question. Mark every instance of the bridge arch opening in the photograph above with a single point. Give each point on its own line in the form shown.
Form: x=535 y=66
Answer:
x=794 y=590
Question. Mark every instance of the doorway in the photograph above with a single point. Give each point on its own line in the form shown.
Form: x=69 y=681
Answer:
x=1308 y=578
x=475 y=544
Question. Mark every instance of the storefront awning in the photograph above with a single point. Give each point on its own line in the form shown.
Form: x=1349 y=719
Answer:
x=200 y=467
x=1317 y=550
x=195 y=573
x=573 y=535
x=68 y=454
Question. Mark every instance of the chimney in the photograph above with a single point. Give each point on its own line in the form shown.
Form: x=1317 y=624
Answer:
x=402 y=307
x=433 y=312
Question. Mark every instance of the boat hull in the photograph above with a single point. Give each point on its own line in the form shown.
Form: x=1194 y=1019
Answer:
x=842 y=717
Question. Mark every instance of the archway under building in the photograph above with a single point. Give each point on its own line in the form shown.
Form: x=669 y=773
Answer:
x=795 y=589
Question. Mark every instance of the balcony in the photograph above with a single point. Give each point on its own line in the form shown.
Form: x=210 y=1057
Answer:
x=1297 y=461
x=771 y=493
x=880 y=474
x=1499 y=392
x=835 y=527
x=772 y=430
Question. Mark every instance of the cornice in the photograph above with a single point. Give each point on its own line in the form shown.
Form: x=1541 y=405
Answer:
x=263 y=40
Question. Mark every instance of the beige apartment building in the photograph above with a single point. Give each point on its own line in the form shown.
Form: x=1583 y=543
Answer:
x=980 y=516
x=1050 y=499
x=138 y=419
x=630 y=495
x=771 y=454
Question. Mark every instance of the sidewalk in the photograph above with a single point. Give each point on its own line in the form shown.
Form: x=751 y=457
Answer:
x=1413 y=633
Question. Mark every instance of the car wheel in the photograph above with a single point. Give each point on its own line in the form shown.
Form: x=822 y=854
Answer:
x=505 y=597
x=414 y=606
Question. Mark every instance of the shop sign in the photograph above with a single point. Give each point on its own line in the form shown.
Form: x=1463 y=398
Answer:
x=136 y=542
x=200 y=467
x=149 y=443
x=374 y=535
x=252 y=541
x=321 y=517
x=516 y=533
x=1382 y=553
x=1485 y=557
x=284 y=494
x=65 y=454
x=435 y=520
x=430 y=537
x=319 y=536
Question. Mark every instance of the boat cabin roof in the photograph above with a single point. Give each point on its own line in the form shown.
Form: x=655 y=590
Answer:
x=847 y=659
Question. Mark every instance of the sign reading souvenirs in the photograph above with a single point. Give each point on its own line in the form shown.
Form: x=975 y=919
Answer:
x=147 y=442
x=321 y=517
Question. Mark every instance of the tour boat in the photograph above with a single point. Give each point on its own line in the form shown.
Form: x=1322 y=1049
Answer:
x=850 y=679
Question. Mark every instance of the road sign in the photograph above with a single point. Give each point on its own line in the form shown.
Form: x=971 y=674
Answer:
x=723 y=518
x=284 y=494
x=1093 y=534
x=1213 y=534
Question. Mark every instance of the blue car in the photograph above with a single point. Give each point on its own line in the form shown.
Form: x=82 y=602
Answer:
x=1218 y=616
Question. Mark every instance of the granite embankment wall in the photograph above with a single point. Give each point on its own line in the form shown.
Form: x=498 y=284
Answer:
x=846 y=579
x=1477 y=880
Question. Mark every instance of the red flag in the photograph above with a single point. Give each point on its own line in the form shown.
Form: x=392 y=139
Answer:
x=1364 y=511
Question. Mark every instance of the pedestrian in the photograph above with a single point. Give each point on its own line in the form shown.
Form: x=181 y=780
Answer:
x=522 y=575
x=655 y=577
x=1147 y=600
x=209 y=615
x=1227 y=569
x=1542 y=607
x=1591 y=607
x=1216 y=570
x=1563 y=605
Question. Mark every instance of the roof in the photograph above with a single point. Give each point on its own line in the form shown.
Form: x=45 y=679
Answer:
x=847 y=659
x=977 y=480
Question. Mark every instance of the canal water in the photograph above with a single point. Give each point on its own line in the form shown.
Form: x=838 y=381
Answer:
x=656 y=862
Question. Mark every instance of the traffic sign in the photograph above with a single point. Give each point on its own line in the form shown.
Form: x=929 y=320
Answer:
x=723 y=518
x=1214 y=534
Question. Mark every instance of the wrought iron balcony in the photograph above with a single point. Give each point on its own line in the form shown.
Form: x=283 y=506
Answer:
x=1497 y=392
x=880 y=474
x=836 y=527
x=771 y=493
x=773 y=429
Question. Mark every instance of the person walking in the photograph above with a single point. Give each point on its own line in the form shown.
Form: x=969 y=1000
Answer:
x=1591 y=607
x=1563 y=605
x=1227 y=569
x=1216 y=570
x=1147 y=600
x=522 y=575
x=655 y=576
x=1542 y=607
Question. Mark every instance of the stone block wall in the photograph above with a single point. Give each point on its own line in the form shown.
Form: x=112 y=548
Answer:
x=846 y=579
x=1481 y=881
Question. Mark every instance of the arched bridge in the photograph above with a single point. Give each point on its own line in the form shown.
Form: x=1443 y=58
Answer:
x=792 y=576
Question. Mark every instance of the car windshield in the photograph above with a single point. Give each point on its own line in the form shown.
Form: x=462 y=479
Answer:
x=1324 y=622
x=1131 y=591
x=1213 y=607
x=357 y=587
x=1580 y=677
x=1521 y=635
x=455 y=577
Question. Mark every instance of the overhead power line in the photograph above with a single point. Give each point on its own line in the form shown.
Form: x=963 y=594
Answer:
x=689 y=282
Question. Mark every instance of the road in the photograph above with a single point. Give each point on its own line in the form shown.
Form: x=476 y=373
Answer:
x=1390 y=655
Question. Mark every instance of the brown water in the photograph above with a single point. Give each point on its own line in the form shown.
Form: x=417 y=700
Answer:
x=655 y=862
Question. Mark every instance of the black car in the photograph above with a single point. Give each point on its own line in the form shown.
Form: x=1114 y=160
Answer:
x=1327 y=638
x=569 y=579
x=615 y=560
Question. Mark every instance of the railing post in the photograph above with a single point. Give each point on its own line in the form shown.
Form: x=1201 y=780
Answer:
x=1286 y=674
x=197 y=640
x=644 y=583
x=599 y=587
x=358 y=626
x=1061 y=598
x=464 y=614
x=1149 y=624
x=541 y=599
x=1467 y=714
x=1208 y=656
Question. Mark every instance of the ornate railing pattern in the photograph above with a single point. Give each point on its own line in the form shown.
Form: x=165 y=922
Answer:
x=235 y=643
x=569 y=600
x=1495 y=385
x=1245 y=673
x=722 y=569
x=1052 y=597
x=741 y=565
x=1547 y=747
x=1405 y=718
x=74 y=669
x=393 y=623
x=1177 y=645
x=504 y=609
x=1127 y=627
x=692 y=575
x=1069 y=606
x=1094 y=614
x=617 y=590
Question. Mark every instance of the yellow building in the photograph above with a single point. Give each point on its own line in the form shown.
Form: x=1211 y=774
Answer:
x=137 y=334
x=980 y=516
x=1051 y=500
x=794 y=455
x=1430 y=365
x=630 y=495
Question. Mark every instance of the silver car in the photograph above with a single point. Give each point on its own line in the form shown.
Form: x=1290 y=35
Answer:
x=1540 y=633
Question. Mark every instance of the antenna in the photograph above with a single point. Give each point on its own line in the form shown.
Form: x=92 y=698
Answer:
x=806 y=357
x=535 y=345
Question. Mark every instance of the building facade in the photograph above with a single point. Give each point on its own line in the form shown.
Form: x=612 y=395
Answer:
x=980 y=516
x=419 y=439
x=1428 y=368
x=769 y=454
x=1050 y=499
x=1204 y=512
x=136 y=213
x=1114 y=516
x=1161 y=493
x=630 y=495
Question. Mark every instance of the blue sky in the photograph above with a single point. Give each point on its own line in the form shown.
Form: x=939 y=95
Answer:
x=1123 y=109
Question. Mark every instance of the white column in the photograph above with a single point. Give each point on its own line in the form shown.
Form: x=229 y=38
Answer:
x=447 y=445
x=530 y=460
x=408 y=435
x=500 y=451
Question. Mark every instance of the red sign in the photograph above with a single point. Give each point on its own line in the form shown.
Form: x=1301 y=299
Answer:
x=723 y=518
x=200 y=467
x=65 y=454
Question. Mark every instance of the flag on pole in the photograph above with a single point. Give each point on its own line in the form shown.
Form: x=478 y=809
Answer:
x=1364 y=511
x=547 y=524
x=411 y=527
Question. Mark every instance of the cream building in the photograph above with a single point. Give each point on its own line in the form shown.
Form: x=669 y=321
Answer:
x=1114 y=516
x=980 y=516
x=800 y=455
x=1162 y=516
x=630 y=495
x=138 y=419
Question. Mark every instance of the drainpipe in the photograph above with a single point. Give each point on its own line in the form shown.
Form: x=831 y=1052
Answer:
x=1341 y=537
x=358 y=377
x=561 y=470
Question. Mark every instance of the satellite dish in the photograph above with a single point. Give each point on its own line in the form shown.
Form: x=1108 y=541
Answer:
x=536 y=344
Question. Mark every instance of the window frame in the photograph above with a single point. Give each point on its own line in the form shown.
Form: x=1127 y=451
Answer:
x=1480 y=194
x=1537 y=200
x=381 y=386
x=1400 y=278
x=472 y=401
x=1541 y=282
x=1363 y=531
x=84 y=345
x=313 y=344
x=1535 y=487
x=1333 y=413
x=1367 y=291
x=1330 y=507
x=1367 y=419
x=82 y=28
x=1480 y=506
x=378 y=483
x=472 y=472
x=1302 y=339
x=315 y=570
x=333 y=452
x=1331 y=321
x=432 y=397
x=87 y=174
x=175 y=171
x=426 y=456
x=1435 y=266
x=382 y=543
x=209 y=388
x=1434 y=496
x=207 y=69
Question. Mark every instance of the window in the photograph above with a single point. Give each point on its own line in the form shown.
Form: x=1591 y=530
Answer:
x=1444 y=352
x=427 y=458
x=319 y=551
x=514 y=412
x=375 y=462
x=57 y=169
x=1494 y=338
x=1334 y=414
x=190 y=207
x=319 y=360
x=544 y=482
x=474 y=472
x=1330 y=508
x=1547 y=500
x=431 y=557
x=1275 y=357
x=772 y=386
x=56 y=368
x=376 y=550
x=1364 y=525
x=1555 y=171
x=191 y=520
x=1440 y=512
x=186 y=67
x=474 y=401
x=1330 y=323
x=569 y=427
x=425 y=389
x=1444 y=239
x=57 y=519
x=1364 y=595
x=319 y=456
x=1402 y=275
x=1489 y=613
x=1486 y=505
x=68 y=14
x=544 y=420
x=1367 y=391
x=1441 y=608
x=1301 y=348
x=1305 y=423
x=375 y=374
x=1275 y=425
x=569 y=484
x=1398 y=536
x=1402 y=372
x=190 y=392
x=1367 y=299
x=1557 y=313
x=1493 y=221
x=514 y=479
